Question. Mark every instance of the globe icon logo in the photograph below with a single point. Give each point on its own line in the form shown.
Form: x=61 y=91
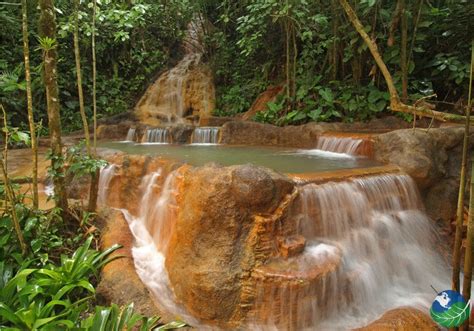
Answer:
x=449 y=309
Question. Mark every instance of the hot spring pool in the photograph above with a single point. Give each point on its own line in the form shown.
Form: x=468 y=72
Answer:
x=284 y=160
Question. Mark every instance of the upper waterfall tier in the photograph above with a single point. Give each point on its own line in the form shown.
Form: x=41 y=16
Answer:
x=185 y=91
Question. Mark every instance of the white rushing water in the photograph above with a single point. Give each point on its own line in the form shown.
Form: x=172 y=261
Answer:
x=157 y=136
x=206 y=136
x=344 y=146
x=386 y=243
x=151 y=229
x=131 y=134
x=107 y=173
x=374 y=229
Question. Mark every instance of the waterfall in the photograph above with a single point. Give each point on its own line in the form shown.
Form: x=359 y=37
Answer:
x=206 y=135
x=373 y=245
x=152 y=228
x=185 y=90
x=344 y=145
x=157 y=136
x=107 y=173
x=131 y=134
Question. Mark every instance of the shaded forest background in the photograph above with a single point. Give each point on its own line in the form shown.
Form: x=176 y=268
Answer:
x=309 y=47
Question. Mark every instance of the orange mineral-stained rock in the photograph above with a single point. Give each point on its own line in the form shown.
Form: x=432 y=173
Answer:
x=227 y=224
x=402 y=319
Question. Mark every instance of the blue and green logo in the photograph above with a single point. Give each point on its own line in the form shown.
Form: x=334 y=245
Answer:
x=449 y=309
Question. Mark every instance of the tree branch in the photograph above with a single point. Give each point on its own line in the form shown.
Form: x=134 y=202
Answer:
x=395 y=104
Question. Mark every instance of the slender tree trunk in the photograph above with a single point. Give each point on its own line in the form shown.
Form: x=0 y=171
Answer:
x=10 y=198
x=47 y=28
x=287 y=46
x=94 y=75
x=295 y=63
x=77 y=56
x=415 y=29
x=395 y=103
x=466 y=284
x=93 y=192
x=403 y=51
x=29 y=99
x=333 y=51
x=394 y=23
x=462 y=188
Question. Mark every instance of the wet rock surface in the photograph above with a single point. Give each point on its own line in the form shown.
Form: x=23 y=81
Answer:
x=402 y=319
x=432 y=159
x=119 y=282
x=215 y=243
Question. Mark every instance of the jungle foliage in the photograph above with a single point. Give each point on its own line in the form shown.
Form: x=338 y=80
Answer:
x=309 y=47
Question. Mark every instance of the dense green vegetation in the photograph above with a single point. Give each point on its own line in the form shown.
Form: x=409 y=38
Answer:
x=52 y=286
x=309 y=46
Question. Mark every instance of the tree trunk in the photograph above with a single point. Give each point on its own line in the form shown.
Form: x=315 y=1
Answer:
x=462 y=187
x=403 y=51
x=10 y=198
x=92 y=206
x=47 y=28
x=394 y=24
x=94 y=191
x=334 y=46
x=466 y=284
x=29 y=99
x=395 y=103
x=94 y=76
x=77 y=56
x=295 y=62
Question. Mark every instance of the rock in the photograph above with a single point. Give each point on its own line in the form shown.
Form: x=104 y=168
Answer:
x=260 y=104
x=215 y=121
x=181 y=134
x=187 y=89
x=422 y=154
x=432 y=159
x=128 y=116
x=224 y=228
x=302 y=136
x=114 y=131
x=119 y=282
x=441 y=199
x=402 y=319
x=252 y=133
x=291 y=246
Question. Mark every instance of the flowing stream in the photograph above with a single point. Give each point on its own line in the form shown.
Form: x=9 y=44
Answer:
x=369 y=238
x=206 y=135
x=157 y=136
x=383 y=242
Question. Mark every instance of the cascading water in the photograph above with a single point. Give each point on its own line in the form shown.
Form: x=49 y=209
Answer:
x=344 y=145
x=107 y=173
x=373 y=243
x=368 y=250
x=184 y=90
x=151 y=229
x=157 y=136
x=206 y=135
x=131 y=134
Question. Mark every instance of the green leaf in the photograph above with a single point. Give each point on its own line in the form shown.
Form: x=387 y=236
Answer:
x=454 y=316
x=327 y=95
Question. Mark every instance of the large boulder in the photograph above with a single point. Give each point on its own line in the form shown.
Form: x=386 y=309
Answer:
x=431 y=158
x=226 y=226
